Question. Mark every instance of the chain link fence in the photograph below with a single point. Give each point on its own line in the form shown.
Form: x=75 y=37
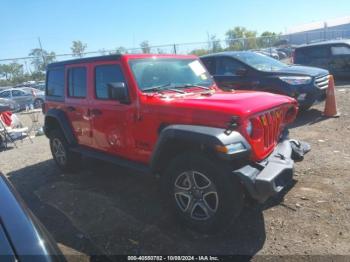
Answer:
x=22 y=69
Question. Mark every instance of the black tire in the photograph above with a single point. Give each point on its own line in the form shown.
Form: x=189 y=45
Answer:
x=222 y=206
x=304 y=108
x=64 y=158
x=38 y=102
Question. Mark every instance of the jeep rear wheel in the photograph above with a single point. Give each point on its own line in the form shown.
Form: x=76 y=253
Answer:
x=64 y=158
x=203 y=195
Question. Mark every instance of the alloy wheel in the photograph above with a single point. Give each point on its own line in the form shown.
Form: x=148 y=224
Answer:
x=196 y=195
x=59 y=151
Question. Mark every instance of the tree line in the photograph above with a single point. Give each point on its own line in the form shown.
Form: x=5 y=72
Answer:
x=238 y=38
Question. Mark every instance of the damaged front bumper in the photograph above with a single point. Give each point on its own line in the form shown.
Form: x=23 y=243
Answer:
x=269 y=177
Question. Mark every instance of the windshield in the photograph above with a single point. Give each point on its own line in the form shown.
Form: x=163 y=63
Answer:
x=169 y=73
x=260 y=62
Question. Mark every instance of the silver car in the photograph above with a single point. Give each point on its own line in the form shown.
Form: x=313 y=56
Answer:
x=38 y=96
x=12 y=105
x=24 y=96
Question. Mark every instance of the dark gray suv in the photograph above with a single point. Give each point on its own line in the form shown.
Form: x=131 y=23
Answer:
x=331 y=55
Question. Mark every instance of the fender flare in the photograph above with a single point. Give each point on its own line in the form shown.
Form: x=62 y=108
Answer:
x=63 y=123
x=204 y=136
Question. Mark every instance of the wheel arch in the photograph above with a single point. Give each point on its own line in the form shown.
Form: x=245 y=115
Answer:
x=174 y=139
x=57 y=119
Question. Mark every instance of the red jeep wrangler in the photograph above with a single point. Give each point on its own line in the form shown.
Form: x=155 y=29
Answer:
x=163 y=114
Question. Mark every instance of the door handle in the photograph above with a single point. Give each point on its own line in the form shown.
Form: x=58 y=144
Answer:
x=95 y=112
x=70 y=108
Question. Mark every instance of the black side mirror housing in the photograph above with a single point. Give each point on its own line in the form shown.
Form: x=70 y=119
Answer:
x=241 y=71
x=118 y=91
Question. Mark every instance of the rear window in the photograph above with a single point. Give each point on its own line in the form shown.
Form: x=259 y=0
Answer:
x=77 y=82
x=55 y=82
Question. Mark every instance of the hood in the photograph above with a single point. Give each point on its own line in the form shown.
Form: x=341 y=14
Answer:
x=241 y=103
x=302 y=70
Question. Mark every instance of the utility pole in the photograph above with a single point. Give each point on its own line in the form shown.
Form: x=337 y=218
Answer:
x=42 y=52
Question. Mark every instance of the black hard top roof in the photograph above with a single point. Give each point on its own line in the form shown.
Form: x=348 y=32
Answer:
x=84 y=60
x=329 y=42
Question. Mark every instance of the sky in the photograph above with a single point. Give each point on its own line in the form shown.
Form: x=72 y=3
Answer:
x=108 y=24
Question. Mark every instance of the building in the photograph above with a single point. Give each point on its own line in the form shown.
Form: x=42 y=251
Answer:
x=338 y=28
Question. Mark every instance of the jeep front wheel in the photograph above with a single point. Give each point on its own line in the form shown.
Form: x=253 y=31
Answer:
x=64 y=158
x=203 y=194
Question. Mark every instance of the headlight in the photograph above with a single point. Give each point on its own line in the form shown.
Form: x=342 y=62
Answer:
x=249 y=128
x=296 y=80
x=301 y=97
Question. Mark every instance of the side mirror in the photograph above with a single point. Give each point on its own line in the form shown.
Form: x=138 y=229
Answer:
x=241 y=71
x=118 y=91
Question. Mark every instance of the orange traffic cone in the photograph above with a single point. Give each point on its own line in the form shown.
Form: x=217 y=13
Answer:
x=330 y=108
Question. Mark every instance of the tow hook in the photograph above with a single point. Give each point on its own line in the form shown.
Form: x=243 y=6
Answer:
x=280 y=156
x=299 y=149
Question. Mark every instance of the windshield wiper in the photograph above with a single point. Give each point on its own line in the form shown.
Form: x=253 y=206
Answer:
x=162 y=88
x=193 y=85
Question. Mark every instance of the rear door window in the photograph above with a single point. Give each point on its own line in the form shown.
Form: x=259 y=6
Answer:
x=104 y=75
x=55 y=82
x=77 y=82
x=318 y=52
x=307 y=55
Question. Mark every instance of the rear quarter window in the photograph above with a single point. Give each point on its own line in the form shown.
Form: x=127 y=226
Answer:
x=340 y=50
x=55 y=82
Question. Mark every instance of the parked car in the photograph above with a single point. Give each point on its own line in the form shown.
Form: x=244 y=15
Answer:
x=17 y=95
x=40 y=86
x=287 y=50
x=251 y=71
x=24 y=96
x=164 y=115
x=12 y=105
x=271 y=54
x=38 y=96
x=22 y=236
x=331 y=55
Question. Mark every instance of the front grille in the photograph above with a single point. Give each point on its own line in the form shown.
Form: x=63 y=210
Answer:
x=321 y=82
x=271 y=122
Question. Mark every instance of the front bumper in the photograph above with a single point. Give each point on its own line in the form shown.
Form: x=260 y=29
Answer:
x=309 y=98
x=269 y=177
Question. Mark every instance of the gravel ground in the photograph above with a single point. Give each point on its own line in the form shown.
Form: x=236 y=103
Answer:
x=105 y=210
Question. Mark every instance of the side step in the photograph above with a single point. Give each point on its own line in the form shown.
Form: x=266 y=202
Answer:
x=111 y=159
